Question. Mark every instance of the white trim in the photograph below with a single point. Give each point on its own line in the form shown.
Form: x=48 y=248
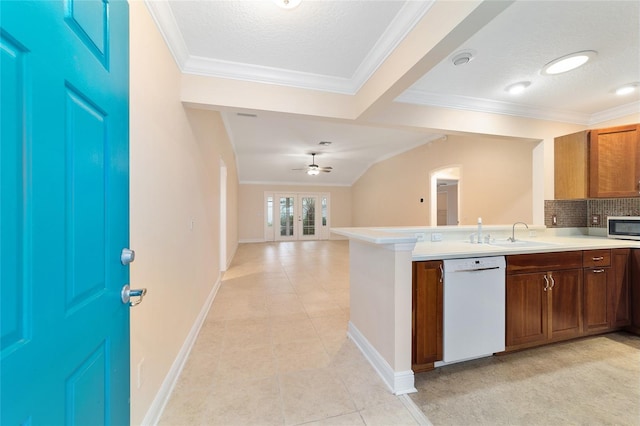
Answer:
x=251 y=240
x=165 y=21
x=164 y=393
x=400 y=382
x=415 y=411
x=613 y=113
x=418 y=97
x=401 y=25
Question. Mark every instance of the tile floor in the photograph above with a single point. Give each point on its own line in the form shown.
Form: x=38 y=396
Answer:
x=273 y=349
x=590 y=381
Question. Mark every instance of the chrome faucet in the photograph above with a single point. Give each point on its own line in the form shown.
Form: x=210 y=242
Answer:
x=513 y=231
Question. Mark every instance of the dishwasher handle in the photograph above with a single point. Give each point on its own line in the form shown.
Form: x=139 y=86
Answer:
x=490 y=268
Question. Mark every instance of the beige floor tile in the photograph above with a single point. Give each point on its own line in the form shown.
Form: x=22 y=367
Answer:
x=300 y=355
x=292 y=327
x=251 y=402
x=313 y=395
x=245 y=364
x=351 y=419
x=390 y=413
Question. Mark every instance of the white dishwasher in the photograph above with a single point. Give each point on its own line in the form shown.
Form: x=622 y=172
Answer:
x=474 y=308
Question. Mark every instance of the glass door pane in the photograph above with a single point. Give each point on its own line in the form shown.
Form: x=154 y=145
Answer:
x=309 y=218
x=287 y=215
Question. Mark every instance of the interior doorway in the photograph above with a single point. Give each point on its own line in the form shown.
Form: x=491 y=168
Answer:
x=445 y=196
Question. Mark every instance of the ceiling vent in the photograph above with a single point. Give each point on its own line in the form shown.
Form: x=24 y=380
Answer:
x=462 y=58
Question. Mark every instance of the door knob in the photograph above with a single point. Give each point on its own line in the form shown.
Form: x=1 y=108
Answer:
x=127 y=256
x=127 y=293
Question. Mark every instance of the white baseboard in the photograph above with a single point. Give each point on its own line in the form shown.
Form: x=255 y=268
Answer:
x=252 y=240
x=400 y=382
x=164 y=393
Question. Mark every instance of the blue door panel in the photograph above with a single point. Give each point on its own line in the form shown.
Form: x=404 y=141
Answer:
x=64 y=212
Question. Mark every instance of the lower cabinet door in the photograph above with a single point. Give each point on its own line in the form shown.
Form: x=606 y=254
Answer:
x=527 y=316
x=596 y=306
x=427 y=315
x=566 y=304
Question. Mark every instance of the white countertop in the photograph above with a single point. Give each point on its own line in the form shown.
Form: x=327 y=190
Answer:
x=454 y=250
x=455 y=240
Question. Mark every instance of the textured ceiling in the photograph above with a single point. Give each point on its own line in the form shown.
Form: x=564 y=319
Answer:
x=336 y=46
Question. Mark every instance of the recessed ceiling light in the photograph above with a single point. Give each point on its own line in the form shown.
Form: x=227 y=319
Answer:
x=324 y=143
x=627 y=89
x=568 y=62
x=287 y=4
x=517 y=88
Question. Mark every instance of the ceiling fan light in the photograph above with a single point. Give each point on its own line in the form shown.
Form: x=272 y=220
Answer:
x=568 y=62
x=313 y=172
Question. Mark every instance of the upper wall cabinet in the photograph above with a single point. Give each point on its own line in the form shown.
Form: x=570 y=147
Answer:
x=601 y=163
x=571 y=177
x=614 y=162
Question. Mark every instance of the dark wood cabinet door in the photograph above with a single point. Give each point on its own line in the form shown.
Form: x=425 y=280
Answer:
x=526 y=306
x=566 y=304
x=596 y=306
x=614 y=162
x=427 y=315
x=619 y=291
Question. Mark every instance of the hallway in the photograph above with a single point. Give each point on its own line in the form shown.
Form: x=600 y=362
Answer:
x=273 y=349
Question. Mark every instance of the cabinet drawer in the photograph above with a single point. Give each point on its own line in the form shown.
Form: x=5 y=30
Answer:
x=542 y=262
x=596 y=258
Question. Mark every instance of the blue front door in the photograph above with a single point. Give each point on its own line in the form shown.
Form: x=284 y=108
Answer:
x=64 y=212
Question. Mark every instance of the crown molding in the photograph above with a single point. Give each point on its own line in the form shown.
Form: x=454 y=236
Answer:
x=468 y=103
x=616 y=112
x=165 y=21
x=260 y=74
x=400 y=26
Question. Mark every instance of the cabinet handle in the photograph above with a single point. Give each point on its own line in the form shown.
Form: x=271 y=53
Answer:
x=546 y=283
x=553 y=282
x=598 y=271
x=597 y=259
x=441 y=273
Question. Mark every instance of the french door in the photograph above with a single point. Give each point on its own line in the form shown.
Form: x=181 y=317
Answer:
x=298 y=216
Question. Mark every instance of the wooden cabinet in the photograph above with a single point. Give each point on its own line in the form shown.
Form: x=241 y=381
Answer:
x=620 y=291
x=614 y=162
x=634 y=302
x=426 y=315
x=544 y=298
x=571 y=166
x=600 y=163
x=597 y=283
x=606 y=290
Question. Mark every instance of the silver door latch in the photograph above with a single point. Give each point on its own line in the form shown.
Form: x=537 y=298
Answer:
x=126 y=294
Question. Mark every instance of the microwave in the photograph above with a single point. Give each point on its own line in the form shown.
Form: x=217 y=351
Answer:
x=623 y=227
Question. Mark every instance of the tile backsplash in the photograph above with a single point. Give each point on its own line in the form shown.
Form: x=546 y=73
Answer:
x=579 y=213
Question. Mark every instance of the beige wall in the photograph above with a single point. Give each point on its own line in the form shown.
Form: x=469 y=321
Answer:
x=495 y=183
x=251 y=207
x=174 y=191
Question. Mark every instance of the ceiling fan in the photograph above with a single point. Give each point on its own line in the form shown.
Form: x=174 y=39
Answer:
x=313 y=168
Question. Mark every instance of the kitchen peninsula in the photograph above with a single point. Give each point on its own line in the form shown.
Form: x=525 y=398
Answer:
x=381 y=262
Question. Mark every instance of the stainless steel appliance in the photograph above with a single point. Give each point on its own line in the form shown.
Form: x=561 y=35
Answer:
x=474 y=308
x=623 y=227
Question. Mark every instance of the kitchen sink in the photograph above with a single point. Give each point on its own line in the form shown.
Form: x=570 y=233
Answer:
x=520 y=243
